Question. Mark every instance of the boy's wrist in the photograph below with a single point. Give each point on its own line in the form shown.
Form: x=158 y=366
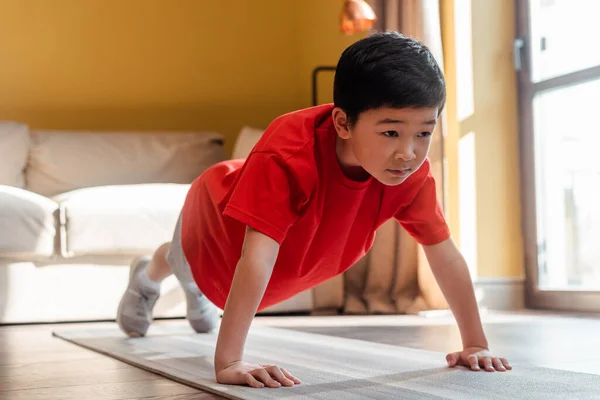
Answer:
x=224 y=359
x=223 y=363
x=480 y=341
x=479 y=345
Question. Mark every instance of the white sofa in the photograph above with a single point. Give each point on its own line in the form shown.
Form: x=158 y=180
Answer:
x=76 y=207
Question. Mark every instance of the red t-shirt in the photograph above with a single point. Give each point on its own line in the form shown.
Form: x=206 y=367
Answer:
x=292 y=188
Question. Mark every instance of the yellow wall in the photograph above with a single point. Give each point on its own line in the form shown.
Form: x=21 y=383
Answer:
x=156 y=64
x=495 y=129
x=147 y=64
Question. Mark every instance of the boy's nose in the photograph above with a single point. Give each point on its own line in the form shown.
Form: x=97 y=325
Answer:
x=405 y=152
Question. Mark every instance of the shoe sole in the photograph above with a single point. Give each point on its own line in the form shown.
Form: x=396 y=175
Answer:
x=135 y=262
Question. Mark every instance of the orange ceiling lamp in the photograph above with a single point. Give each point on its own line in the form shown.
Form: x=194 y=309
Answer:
x=356 y=16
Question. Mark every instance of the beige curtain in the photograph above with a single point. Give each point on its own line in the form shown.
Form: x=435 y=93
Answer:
x=394 y=276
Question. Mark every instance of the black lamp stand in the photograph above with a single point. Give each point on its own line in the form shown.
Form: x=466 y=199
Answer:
x=315 y=72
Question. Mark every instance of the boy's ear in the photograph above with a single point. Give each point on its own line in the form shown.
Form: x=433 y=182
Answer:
x=340 y=121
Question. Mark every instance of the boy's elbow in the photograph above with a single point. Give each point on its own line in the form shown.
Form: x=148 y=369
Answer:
x=443 y=253
x=256 y=264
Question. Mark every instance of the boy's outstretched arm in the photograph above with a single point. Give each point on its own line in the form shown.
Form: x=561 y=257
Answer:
x=452 y=274
x=250 y=280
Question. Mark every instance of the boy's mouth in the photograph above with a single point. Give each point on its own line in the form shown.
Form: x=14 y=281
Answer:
x=399 y=172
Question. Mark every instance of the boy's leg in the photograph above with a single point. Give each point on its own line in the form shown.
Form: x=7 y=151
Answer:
x=134 y=315
x=158 y=267
x=202 y=314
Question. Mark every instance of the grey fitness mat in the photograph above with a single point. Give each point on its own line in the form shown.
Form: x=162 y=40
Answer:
x=330 y=367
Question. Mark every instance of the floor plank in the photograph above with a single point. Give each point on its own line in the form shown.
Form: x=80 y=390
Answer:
x=104 y=391
x=43 y=369
x=59 y=378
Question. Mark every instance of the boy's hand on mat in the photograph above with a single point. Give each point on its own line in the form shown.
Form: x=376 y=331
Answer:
x=254 y=375
x=477 y=358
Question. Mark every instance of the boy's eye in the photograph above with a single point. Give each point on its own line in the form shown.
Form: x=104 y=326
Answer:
x=390 y=133
x=424 y=134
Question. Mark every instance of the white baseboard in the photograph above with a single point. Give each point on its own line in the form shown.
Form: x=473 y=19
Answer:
x=500 y=293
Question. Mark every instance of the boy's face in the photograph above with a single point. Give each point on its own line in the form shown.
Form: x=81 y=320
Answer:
x=388 y=143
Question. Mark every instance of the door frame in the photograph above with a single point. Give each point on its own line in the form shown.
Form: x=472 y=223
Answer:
x=564 y=300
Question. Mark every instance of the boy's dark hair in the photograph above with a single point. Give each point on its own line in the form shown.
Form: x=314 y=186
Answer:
x=387 y=70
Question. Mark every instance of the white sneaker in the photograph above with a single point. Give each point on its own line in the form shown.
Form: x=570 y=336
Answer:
x=134 y=314
x=202 y=314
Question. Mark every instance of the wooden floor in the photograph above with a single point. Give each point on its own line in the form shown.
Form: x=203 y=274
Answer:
x=35 y=365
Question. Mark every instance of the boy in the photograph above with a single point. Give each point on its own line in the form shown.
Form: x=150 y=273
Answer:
x=304 y=207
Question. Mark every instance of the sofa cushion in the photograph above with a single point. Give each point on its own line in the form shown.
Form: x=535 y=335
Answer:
x=27 y=223
x=128 y=219
x=245 y=142
x=14 y=148
x=63 y=161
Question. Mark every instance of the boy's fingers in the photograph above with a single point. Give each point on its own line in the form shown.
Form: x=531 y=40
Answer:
x=262 y=375
x=506 y=363
x=290 y=376
x=474 y=363
x=252 y=382
x=452 y=359
x=278 y=375
x=498 y=364
x=487 y=364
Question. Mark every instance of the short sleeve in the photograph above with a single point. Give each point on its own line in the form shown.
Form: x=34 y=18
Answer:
x=267 y=196
x=423 y=218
